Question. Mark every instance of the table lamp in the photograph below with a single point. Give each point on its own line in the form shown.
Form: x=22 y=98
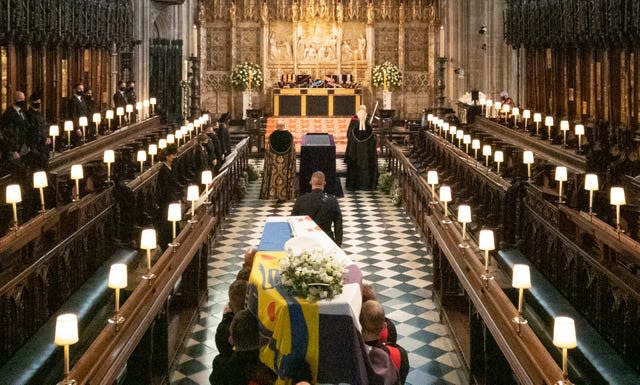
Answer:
x=520 y=280
x=117 y=281
x=141 y=157
x=497 y=108
x=429 y=119
x=54 y=131
x=148 y=243
x=561 y=176
x=193 y=194
x=13 y=197
x=452 y=132
x=120 y=114
x=97 y=118
x=486 y=152
x=591 y=184
x=464 y=217
x=466 y=139
x=68 y=128
x=128 y=109
x=196 y=124
x=564 y=337
x=206 y=178
x=617 y=199
x=475 y=145
x=432 y=180
x=505 y=109
x=145 y=104
x=178 y=135
x=515 y=112
x=206 y=118
x=171 y=139
x=445 y=129
x=40 y=182
x=83 y=123
x=185 y=131
x=77 y=173
x=498 y=157
x=109 y=116
x=445 y=197
x=152 y=103
x=153 y=151
x=579 y=132
x=488 y=104
x=139 y=110
x=526 y=115
x=459 y=136
x=486 y=243
x=66 y=334
x=527 y=158
x=162 y=144
x=548 y=121
x=108 y=158
x=190 y=128
x=537 y=119
x=174 y=214
x=564 y=127
x=481 y=101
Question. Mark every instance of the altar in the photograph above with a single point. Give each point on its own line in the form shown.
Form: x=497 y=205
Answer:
x=316 y=101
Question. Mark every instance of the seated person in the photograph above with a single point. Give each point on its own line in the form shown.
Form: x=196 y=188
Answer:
x=372 y=319
x=389 y=334
x=243 y=366
x=237 y=293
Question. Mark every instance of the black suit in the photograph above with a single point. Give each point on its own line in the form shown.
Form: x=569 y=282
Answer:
x=14 y=128
x=324 y=209
x=119 y=99
x=77 y=108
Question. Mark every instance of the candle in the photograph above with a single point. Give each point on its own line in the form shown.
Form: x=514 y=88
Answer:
x=250 y=78
x=385 y=81
x=185 y=67
x=441 y=41
x=195 y=41
x=355 y=65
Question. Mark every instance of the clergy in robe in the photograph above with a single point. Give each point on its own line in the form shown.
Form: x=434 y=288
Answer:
x=279 y=179
x=361 y=155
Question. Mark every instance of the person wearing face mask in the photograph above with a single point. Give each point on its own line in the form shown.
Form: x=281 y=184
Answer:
x=13 y=130
x=130 y=94
x=37 y=134
x=119 y=99
x=77 y=108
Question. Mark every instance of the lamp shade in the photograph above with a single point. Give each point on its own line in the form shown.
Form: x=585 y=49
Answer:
x=66 y=329
x=429 y=117
x=153 y=101
x=475 y=144
x=14 y=194
x=148 y=239
x=579 y=129
x=515 y=111
x=68 y=125
x=527 y=157
x=190 y=127
x=486 y=150
x=432 y=177
x=206 y=117
x=153 y=149
x=162 y=144
x=617 y=196
x=128 y=108
x=488 y=103
x=97 y=118
x=40 y=179
x=77 y=171
x=526 y=114
x=453 y=130
x=109 y=156
x=119 y=111
x=184 y=130
x=497 y=105
x=118 y=276
x=459 y=134
x=54 y=130
x=138 y=106
x=171 y=139
x=142 y=156
x=445 y=194
x=591 y=182
x=498 y=156
x=174 y=212
x=206 y=177
x=521 y=278
x=145 y=103
x=108 y=114
x=178 y=134
x=445 y=126
x=466 y=139
x=548 y=121
x=485 y=240
x=561 y=174
x=82 y=121
x=193 y=193
x=564 y=125
x=506 y=108
x=537 y=117
x=464 y=213
x=564 y=333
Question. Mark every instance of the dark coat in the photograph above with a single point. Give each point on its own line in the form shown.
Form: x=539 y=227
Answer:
x=324 y=209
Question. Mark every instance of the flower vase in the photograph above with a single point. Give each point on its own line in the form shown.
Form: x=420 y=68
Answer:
x=246 y=103
x=386 y=100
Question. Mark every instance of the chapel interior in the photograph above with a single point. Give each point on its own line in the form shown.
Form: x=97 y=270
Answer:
x=496 y=214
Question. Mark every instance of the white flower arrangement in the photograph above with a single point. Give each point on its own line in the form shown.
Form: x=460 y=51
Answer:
x=386 y=75
x=246 y=76
x=314 y=274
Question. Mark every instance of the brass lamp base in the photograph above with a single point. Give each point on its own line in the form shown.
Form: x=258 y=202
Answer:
x=149 y=276
x=67 y=382
x=433 y=202
x=519 y=321
x=116 y=319
x=564 y=382
x=486 y=277
x=446 y=221
x=174 y=244
x=463 y=245
x=192 y=220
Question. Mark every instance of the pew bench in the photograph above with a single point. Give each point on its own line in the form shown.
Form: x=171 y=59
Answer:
x=39 y=361
x=594 y=361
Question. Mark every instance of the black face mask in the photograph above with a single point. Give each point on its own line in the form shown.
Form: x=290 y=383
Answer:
x=35 y=106
x=21 y=104
x=122 y=88
x=79 y=93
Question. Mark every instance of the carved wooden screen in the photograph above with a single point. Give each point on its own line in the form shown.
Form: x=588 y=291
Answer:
x=164 y=76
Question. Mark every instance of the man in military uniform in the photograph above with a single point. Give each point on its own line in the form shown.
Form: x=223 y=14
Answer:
x=323 y=208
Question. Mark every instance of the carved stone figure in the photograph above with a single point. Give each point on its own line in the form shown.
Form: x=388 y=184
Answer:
x=232 y=12
x=339 y=12
x=370 y=13
x=264 y=14
x=294 y=12
x=362 y=47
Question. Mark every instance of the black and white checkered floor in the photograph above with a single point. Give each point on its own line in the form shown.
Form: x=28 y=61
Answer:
x=383 y=241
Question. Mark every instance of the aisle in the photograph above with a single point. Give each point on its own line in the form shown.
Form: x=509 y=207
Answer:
x=384 y=243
